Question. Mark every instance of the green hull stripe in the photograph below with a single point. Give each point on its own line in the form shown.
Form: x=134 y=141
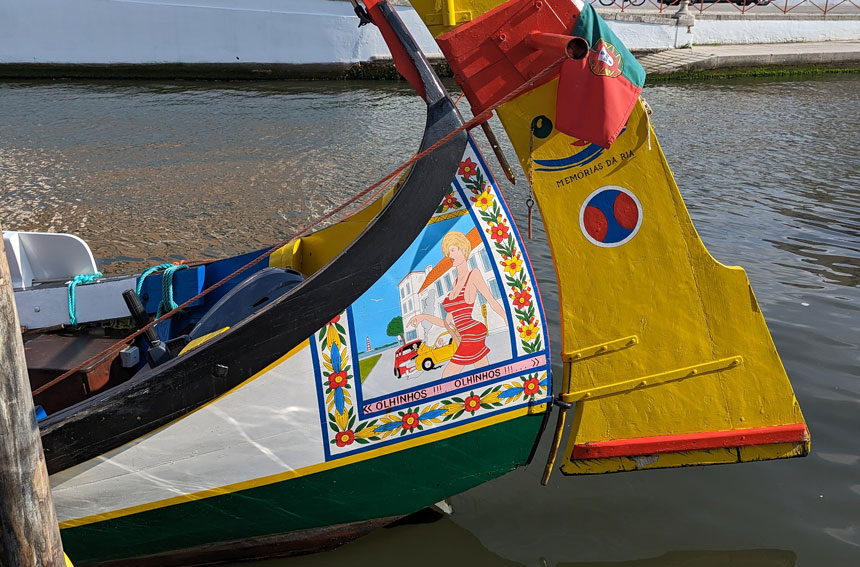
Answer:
x=390 y=485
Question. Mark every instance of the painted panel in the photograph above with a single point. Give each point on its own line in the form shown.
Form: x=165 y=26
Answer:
x=452 y=333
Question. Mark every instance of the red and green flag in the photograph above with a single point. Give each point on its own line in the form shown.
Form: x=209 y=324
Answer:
x=596 y=93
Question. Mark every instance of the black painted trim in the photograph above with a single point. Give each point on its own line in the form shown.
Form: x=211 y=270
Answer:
x=157 y=397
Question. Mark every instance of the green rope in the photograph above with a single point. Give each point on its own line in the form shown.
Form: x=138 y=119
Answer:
x=167 y=303
x=81 y=279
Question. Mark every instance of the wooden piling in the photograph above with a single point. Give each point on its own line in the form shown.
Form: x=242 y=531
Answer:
x=29 y=534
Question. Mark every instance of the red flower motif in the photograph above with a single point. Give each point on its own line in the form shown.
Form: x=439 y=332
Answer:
x=499 y=232
x=467 y=168
x=335 y=320
x=337 y=379
x=450 y=202
x=344 y=438
x=410 y=420
x=521 y=298
x=531 y=387
x=472 y=404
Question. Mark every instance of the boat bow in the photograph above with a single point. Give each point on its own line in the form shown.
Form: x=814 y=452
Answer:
x=157 y=396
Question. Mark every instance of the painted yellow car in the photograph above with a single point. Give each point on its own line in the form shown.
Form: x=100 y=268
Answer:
x=443 y=349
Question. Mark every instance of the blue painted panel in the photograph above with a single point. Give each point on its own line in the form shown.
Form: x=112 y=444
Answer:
x=186 y=284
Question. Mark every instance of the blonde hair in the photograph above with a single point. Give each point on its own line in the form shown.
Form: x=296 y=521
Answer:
x=458 y=239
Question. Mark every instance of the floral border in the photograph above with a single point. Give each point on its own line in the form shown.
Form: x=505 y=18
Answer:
x=485 y=203
x=336 y=379
x=417 y=418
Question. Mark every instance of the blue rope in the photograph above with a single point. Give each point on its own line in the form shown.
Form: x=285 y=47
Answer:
x=167 y=303
x=81 y=279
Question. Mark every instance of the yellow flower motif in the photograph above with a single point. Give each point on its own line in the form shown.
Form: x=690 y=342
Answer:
x=528 y=331
x=512 y=265
x=484 y=200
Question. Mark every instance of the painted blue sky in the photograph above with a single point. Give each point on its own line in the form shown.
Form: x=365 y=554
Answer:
x=381 y=302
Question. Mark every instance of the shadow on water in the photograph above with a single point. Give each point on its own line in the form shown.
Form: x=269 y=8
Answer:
x=770 y=173
x=744 y=558
x=454 y=545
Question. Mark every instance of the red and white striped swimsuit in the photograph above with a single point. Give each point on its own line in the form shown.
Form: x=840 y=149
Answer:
x=472 y=333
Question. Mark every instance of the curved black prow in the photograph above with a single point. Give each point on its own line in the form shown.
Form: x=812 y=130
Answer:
x=158 y=396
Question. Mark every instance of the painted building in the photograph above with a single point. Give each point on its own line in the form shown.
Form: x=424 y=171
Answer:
x=429 y=301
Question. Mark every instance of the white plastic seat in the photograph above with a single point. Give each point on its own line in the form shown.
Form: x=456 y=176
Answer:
x=46 y=257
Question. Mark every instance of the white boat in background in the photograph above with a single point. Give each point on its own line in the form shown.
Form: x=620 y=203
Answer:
x=315 y=35
x=254 y=39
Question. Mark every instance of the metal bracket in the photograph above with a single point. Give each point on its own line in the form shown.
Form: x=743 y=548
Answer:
x=652 y=380
x=602 y=348
x=449 y=16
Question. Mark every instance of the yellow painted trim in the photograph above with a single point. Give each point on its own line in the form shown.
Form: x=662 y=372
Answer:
x=304 y=471
x=448 y=216
x=288 y=256
x=200 y=340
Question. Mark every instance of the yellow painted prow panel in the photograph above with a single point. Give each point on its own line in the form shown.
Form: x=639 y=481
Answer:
x=664 y=345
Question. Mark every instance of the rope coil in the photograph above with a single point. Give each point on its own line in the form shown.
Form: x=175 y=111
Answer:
x=167 y=303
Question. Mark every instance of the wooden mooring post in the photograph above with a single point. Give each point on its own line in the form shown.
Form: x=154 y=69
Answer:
x=29 y=534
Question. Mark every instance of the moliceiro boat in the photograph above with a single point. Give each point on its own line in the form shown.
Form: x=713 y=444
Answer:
x=308 y=393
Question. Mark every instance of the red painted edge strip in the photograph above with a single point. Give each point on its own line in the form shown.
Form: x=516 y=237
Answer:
x=794 y=433
x=402 y=61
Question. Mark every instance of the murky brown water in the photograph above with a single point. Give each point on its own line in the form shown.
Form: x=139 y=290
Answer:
x=769 y=169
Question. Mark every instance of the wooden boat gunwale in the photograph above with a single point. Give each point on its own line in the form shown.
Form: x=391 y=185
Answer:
x=156 y=397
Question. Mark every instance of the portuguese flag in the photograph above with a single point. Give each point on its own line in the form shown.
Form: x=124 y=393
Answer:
x=596 y=93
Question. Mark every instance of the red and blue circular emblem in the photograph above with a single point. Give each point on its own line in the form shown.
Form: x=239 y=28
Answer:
x=610 y=216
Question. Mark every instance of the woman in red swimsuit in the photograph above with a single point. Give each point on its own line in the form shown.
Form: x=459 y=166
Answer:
x=458 y=305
